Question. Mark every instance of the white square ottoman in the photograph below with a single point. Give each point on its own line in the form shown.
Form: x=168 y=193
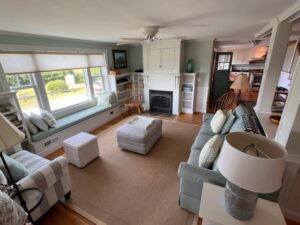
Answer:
x=139 y=134
x=81 y=149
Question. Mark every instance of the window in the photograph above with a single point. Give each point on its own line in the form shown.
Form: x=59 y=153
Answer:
x=65 y=88
x=98 y=82
x=26 y=91
x=61 y=82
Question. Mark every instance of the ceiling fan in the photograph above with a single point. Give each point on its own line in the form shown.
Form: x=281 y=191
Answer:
x=150 y=33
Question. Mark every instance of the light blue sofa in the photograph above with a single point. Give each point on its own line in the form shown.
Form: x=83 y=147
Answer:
x=192 y=176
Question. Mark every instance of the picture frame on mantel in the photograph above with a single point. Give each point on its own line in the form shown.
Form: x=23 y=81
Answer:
x=120 y=59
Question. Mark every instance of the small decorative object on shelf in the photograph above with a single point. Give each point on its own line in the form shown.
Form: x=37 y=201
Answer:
x=190 y=66
x=114 y=72
x=275 y=118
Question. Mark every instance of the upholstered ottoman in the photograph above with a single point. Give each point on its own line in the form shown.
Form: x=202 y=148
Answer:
x=81 y=149
x=139 y=134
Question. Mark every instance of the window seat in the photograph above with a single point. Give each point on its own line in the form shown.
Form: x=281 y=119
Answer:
x=71 y=120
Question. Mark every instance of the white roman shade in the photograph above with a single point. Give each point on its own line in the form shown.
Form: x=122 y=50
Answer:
x=25 y=63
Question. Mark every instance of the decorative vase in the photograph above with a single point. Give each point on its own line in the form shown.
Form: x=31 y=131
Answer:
x=190 y=66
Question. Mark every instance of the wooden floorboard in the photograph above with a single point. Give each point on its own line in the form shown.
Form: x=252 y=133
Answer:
x=60 y=214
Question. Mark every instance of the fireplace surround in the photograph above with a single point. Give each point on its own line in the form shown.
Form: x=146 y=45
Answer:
x=161 y=101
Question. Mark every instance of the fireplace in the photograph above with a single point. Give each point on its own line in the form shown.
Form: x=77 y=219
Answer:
x=161 y=101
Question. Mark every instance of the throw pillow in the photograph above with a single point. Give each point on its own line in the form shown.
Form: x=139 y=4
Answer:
x=48 y=118
x=38 y=121
x=17 y=170
x=31 y=127
x=11 y=212
x=104 y=99
x=229 y=121
x=238 y=125
x=210 y=151
x=218 y=121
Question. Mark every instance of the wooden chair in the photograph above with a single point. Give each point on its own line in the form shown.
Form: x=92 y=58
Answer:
x=131 y=105
x=225 y=102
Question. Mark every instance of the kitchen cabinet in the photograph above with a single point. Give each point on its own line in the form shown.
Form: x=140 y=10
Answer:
x=162 y=56
x=243 y=56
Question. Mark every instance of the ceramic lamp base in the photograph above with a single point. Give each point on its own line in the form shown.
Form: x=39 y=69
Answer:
x=239 y=202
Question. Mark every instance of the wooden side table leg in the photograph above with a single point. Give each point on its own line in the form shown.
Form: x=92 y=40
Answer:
x=140 y=110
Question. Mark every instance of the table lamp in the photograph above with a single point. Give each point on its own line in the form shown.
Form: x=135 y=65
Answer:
x=240 y=83
x=252 y=164
x=9 y=137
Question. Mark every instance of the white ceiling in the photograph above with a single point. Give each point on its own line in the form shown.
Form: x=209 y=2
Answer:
x=110 y=20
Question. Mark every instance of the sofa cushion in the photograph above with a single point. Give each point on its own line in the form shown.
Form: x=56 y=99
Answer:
x=17 y=170
x=238 y=125
x=30 y=161
x=206 y=129
x=200 y=141
x=210 y=151
x=194 y=158
x=207 y=117
x=69 y=121
x=218 y=121
x=230 y=117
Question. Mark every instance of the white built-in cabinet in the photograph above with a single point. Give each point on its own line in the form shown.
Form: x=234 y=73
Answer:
x=162 y=56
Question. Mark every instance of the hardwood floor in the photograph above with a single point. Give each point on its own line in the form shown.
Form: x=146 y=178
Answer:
x=63 y=215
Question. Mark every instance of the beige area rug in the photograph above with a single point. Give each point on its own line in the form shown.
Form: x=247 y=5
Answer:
x=125 y=188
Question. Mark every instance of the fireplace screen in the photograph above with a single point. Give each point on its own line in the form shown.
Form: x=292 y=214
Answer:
x=161 y=101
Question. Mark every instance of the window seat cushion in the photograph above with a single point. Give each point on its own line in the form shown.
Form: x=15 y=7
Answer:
x=70 y=120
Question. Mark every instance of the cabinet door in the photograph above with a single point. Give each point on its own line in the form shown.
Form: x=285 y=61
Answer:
x=154 y=59
x=167 y=58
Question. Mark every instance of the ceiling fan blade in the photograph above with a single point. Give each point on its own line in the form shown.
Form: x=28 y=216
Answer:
x=172 y=38
x=133 y=39
x=128 y=42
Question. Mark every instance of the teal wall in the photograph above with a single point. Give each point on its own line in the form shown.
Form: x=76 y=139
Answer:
x=136 y=57
x=20 y=42
x=202 y=54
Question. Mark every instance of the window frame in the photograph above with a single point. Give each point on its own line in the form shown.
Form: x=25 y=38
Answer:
x=33 y=85
x=58 y=113
x=38 y=84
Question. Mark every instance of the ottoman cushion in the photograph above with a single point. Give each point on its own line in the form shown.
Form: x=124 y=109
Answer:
x=137 y=139
x=81 y=149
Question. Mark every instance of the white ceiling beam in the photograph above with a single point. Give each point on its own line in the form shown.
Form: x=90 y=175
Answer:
x=290 y=14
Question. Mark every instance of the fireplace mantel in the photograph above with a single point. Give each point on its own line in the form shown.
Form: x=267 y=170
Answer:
x=163 y=82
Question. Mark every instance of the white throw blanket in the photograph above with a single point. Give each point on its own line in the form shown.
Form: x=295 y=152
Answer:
x=142 y=122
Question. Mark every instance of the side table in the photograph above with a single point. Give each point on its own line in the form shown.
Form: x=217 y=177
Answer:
x=213 y=212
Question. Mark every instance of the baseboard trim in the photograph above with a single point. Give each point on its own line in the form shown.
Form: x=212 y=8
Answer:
x=84 y=213
x=291 y=215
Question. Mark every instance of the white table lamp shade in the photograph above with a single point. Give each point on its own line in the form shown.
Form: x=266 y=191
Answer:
x=240 y=83
x=9 y=134
x=256 y=174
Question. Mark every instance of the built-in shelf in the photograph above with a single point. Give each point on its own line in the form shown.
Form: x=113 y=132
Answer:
x=269 y=127
x=188 y=82
x=123 y=83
